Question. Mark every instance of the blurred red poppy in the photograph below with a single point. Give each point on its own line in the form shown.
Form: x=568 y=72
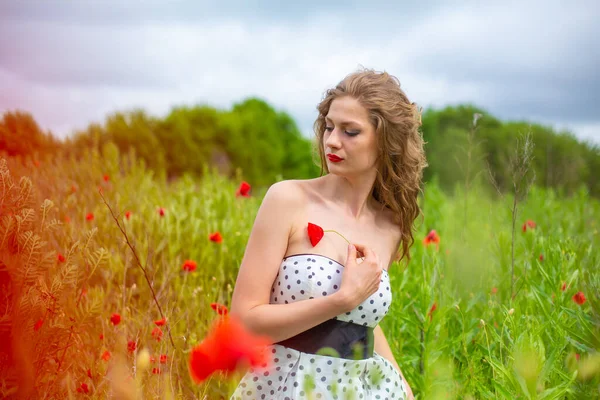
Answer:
x=60 y=258
x=528 y=224
x=38 y=324
x=127 y=214
x=161 y=211
x=106 y=178
x=431 y=310
x=219 y=308
x=106 y=355
x=432 y=237
x=157 y=334
x=115 y=319
x=227 y=346
x=89 y=216
x=215 y=237
x=83 y=388
x=163 y=358
x=579 y=298
x=243 y=190
x=131 y=346
x=160 y=322
x=189 y=265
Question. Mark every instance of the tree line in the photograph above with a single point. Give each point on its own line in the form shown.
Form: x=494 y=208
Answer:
x=265 y=145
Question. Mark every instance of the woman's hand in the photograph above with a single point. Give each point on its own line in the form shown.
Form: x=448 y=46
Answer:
x=359 y=281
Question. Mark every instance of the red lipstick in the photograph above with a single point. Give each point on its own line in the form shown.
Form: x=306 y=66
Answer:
x=334 y=158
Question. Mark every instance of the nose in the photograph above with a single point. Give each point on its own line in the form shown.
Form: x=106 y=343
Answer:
x=332 y=139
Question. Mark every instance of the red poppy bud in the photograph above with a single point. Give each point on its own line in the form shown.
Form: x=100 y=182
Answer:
x=115 y=319
x=579 y=298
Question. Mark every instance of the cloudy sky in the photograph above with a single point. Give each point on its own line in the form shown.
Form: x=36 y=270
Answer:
x=71 y=63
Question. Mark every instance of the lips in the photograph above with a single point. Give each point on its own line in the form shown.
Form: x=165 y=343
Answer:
x=334 y=158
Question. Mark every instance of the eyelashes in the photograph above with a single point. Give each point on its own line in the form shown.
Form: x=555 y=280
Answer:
x=330 y=128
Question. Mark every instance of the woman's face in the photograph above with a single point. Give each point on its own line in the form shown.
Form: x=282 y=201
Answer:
x=349 y=135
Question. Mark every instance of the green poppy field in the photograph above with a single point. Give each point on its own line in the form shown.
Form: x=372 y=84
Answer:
x=112 y=275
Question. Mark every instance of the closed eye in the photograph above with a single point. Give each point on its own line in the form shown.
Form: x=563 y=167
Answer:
x=349 y=133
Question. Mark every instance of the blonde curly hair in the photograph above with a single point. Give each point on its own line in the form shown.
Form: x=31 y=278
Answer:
x=400 y=144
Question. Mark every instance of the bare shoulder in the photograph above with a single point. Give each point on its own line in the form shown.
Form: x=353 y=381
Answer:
x=285 y=193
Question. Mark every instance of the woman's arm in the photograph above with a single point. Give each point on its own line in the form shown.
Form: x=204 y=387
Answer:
x=264 y=253
x=383 y=348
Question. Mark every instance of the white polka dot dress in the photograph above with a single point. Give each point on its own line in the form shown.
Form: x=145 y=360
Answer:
x=299 y=375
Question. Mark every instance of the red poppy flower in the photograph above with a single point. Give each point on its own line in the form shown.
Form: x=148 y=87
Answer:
x=215 y=237
x=161 y=211
x=127 y=214
x=89 y=373
x=432 y=237
x=528 y=224
x=431 y=310
x=101 y=336
x=115 y=319
x=189 y=265
x=579 y=298
x=219 y=308
x=106 y=355
x=315 y=233
x=83 y=388
x=163 y=358
x=160 y=322
x=157 y=334
x=89 y=216
x=227 y=345
x=563 y=287
x=243 y=190
x=577 y=356
x=131 y=346
x=60 y=258
x=38 y=324
x=541 y=257
x=156 y=370
x=106 y=178
x=494 y=290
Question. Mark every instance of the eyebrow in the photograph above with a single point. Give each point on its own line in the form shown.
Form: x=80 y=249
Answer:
x=345 y=123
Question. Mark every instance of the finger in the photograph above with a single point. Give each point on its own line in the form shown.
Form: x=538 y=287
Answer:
x=365 y=250
x=351 y=252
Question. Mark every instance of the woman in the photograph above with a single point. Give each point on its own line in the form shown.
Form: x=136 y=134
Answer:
x=311 y=294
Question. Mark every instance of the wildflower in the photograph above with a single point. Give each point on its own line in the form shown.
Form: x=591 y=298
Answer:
x=89 y=217
x=315 y=233
x=494 y=290
x=215 y=237
x=219 y=308
x=60 y=258
x=577 y=356
x=163 y=358
x=73 y=188
x=67 y=219
x=106 y=355
x=115 y=319
x=563 y=287
x=127 y=214
x=243 y=190
x=106 y=178
x=157 y=334
x=189 y=265
x=432 y=237
x=101 y=336
x=227 y=344
x=160 y=322
x=38 y=324
x=431 y=310
x=579 y=298
x=541 y=257
x=156 y=370
x=131 y=346
x=161 y=211
x=528 y=224
x=89 y=373
x=83 y=388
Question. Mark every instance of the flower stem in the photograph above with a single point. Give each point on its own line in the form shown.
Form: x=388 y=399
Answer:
x=331 y=230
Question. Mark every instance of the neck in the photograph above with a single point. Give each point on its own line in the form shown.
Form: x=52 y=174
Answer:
x=352 y=194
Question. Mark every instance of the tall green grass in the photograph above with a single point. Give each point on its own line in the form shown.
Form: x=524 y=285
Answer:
x=479 y=342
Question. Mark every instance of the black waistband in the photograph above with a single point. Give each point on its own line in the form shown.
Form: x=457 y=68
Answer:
x=349 y=340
